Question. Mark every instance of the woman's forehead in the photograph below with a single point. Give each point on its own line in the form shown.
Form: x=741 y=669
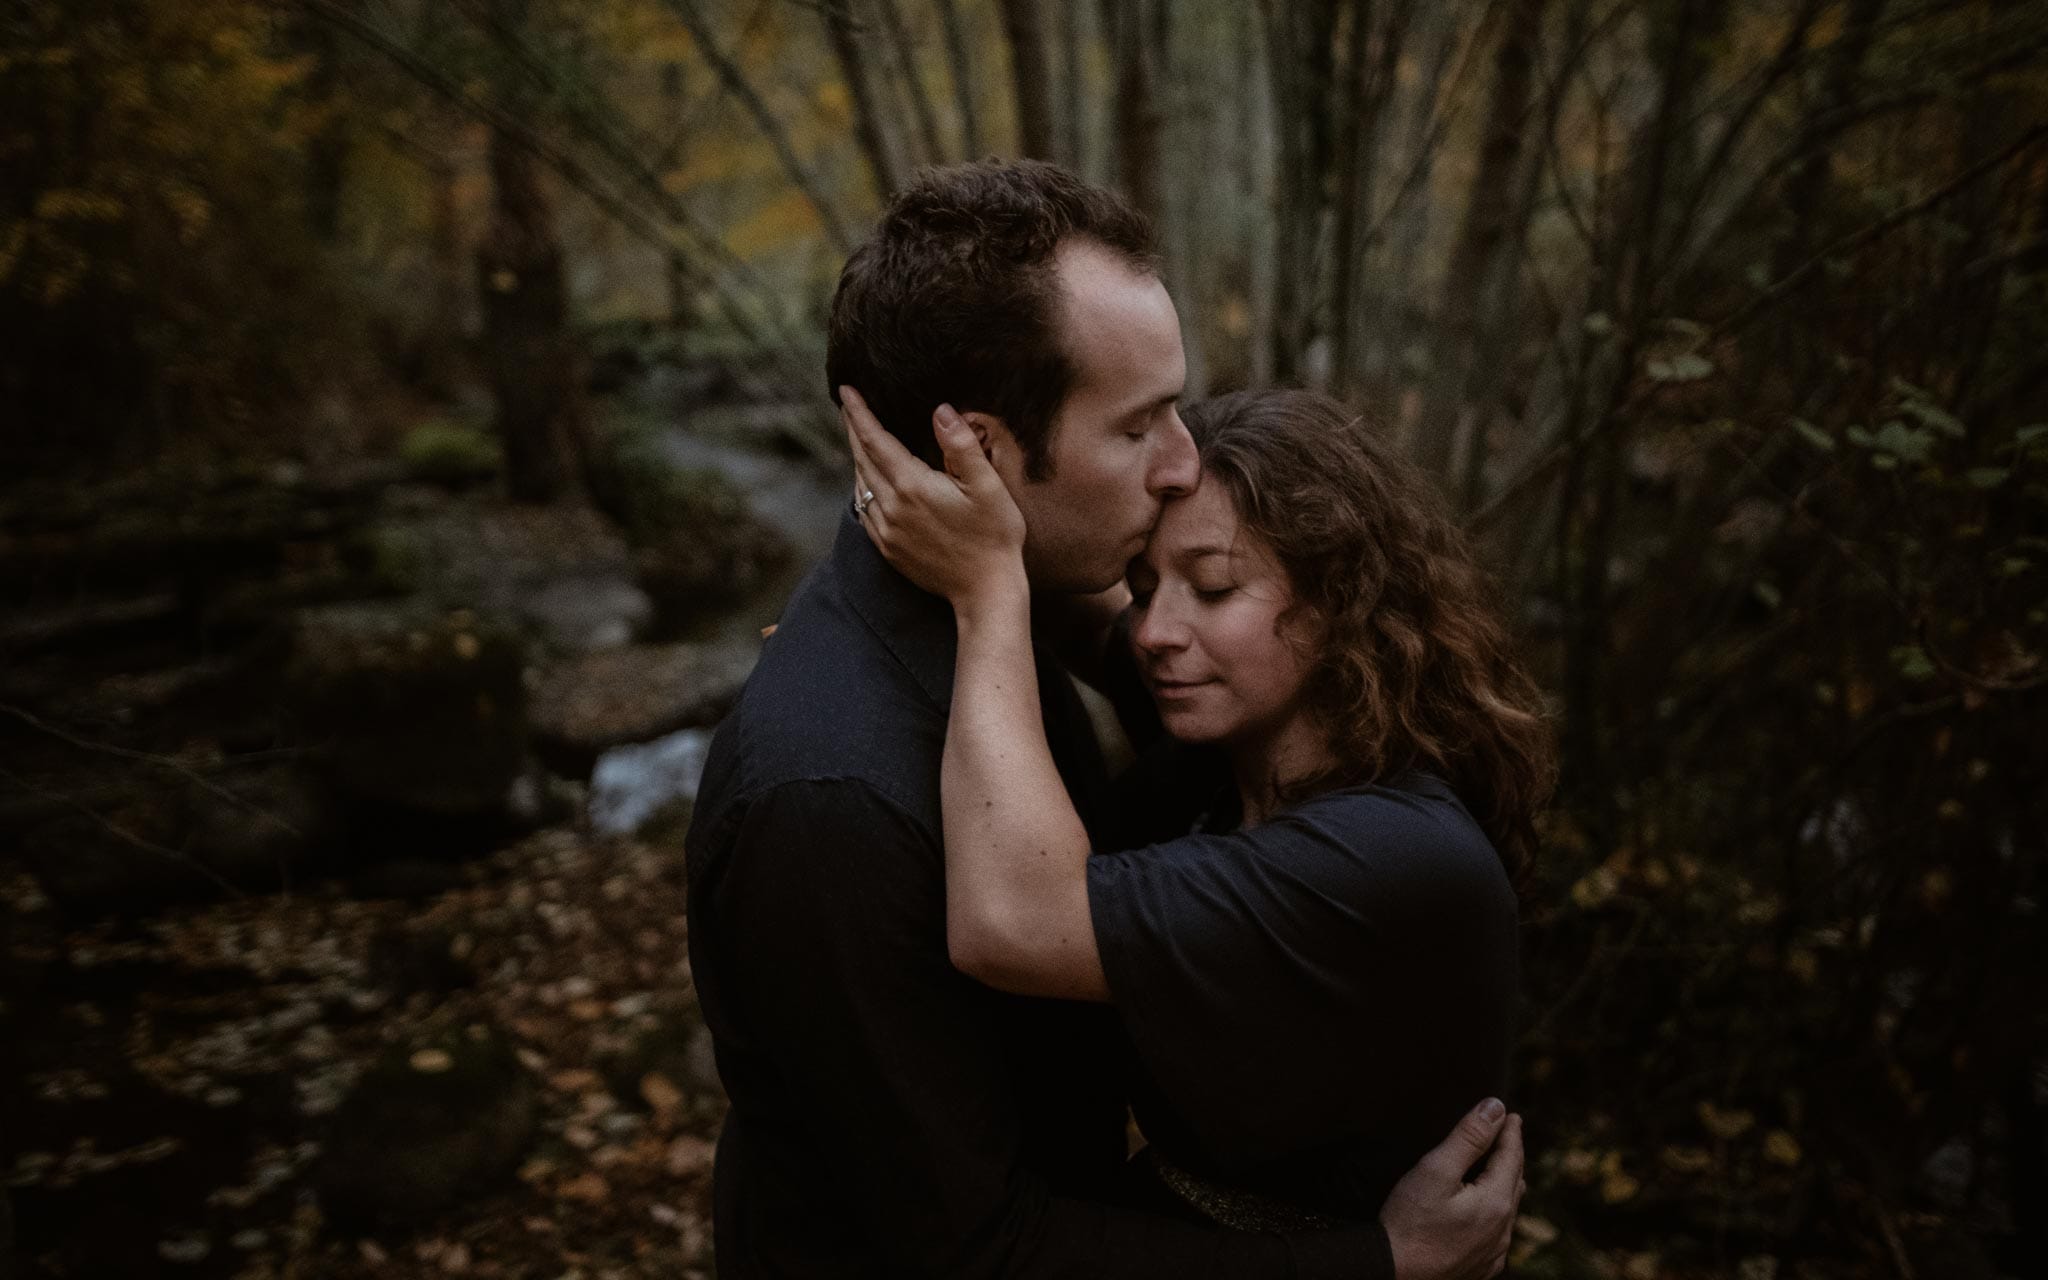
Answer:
x=1203 y=526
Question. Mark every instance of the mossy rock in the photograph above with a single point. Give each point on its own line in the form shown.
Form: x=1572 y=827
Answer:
x=414 y=710
x=652 y=497
x=433 y=1122
x=451 y=453
x=390 y=559
x=698 y=546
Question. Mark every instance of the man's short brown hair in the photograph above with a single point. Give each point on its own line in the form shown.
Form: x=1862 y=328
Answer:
x=954 y=299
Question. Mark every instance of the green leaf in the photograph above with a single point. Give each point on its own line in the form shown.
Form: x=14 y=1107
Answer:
x=1987 y=477
x=1813 y=435
x=2014 y=566
x=1597 y=323
x=1933 y=415
x=1911 y=661
x=1908 y=444
x=1689 y=367
x=1770 y=595
x=1858 y=436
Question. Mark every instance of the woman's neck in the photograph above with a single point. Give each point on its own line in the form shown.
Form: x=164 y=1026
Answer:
x=1266 y=765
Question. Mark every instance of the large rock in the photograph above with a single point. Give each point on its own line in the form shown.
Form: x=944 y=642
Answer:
x=699 y=547
x=587 y=613
x=433 y=1122
x=414 y=713
x=634 y=694
x=695 y=573
x=152 y=839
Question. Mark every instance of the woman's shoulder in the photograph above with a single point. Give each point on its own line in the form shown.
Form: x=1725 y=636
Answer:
x=1411 y=828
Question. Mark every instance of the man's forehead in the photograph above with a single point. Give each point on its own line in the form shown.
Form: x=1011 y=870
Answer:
x=1119 y=326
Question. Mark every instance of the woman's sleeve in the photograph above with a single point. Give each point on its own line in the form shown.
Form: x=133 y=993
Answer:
x=1359 y=950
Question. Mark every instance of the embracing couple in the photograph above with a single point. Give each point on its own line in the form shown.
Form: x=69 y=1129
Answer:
x=944 y=956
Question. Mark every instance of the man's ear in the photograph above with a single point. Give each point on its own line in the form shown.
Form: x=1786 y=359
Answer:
x=997 y=443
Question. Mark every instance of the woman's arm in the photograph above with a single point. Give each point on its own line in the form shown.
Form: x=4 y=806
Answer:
x=1016 y=852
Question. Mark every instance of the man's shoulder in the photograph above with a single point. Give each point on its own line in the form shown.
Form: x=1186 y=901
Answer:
x=828 y=702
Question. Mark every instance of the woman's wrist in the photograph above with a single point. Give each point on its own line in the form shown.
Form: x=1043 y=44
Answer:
x=999 y=596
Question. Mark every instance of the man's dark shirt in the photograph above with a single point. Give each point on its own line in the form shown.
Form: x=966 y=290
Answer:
x=891 y=1117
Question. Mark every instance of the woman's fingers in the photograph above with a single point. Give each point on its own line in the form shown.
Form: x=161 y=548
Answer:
x=965 y=460
x=887 y=461
x=1503 y=1171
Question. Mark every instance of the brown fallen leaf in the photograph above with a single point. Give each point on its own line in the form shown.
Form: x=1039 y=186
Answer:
x=590 y=1188
x=660 y=1092
x=689 y=1155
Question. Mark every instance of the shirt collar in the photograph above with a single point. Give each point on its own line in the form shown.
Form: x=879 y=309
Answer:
x=913 y=624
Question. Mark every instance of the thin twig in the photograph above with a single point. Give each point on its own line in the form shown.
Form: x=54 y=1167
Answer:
x=123 y=834
x=149 y=758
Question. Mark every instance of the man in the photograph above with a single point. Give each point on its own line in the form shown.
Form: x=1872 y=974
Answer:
x=891 y=1117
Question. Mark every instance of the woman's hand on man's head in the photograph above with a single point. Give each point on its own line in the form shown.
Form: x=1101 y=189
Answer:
x=956 y=533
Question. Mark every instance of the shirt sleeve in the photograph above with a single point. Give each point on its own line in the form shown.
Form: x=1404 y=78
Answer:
x=835 y=894
x=1346 y=970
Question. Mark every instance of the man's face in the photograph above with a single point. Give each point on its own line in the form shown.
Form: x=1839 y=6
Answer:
x=1118 y=447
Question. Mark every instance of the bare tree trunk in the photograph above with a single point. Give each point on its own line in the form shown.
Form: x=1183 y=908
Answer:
x=1626 y=278
x=1260 y=128
x=1031 y=77
x=963 y=78
x=1351 y=142
x=1073 y=104
x=1808 y=183
x=535 y=374
x=1138 y=118
x=1301 y=53
x=442 y=346
x=327 y=149
x=1480 y=233
x=870 y=127
x=934 y=152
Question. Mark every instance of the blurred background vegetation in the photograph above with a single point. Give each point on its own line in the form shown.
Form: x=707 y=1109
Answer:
x=392 y=394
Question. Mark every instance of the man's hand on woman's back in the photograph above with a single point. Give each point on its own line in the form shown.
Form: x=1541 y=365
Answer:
x=1442 y=1227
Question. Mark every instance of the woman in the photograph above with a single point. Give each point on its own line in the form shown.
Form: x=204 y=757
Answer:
x=1315 y=958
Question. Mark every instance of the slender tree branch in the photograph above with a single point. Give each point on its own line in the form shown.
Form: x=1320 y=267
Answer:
x=736 y=83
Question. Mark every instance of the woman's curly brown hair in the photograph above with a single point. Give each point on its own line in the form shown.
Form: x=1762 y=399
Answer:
x=1413 y=669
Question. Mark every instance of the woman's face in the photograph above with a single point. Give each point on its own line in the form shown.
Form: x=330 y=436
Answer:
x=1208 y=600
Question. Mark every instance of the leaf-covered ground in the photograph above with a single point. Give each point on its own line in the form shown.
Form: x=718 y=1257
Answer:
x=176 y=1079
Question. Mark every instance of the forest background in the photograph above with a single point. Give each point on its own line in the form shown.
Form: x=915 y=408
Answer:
x=393 y=393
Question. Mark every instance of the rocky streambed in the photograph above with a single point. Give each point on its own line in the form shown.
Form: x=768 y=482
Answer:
x=341 y=916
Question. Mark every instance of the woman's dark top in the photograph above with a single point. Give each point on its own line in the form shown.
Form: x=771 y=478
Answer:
x=1312 y=1002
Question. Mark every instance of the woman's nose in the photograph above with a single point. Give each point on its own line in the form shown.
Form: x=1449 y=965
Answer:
x=1158 y=630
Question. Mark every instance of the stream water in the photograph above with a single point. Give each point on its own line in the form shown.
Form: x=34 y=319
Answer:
x=802 y=500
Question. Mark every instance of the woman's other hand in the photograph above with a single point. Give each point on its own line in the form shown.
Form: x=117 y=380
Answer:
x=1441 y=1227
x=955 y=533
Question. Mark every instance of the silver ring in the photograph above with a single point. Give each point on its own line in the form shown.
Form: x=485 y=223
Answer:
x=860 y=504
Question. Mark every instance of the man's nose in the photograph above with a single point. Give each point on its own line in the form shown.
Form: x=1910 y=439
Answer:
x=1176 y=468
